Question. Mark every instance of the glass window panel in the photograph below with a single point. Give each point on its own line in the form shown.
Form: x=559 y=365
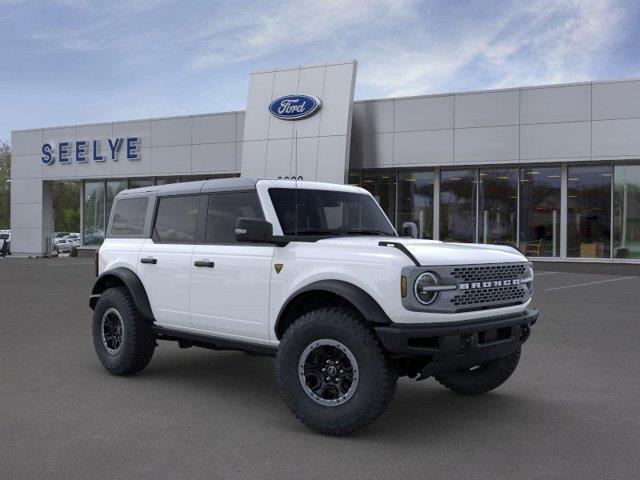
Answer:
x=167 y=180
x=540 y=193
x=354 y=178
x=589 y=211
x=458 y=205
x=93 y=213
x=498 y=206
x=382 y=185
x=129 y=217
x=415 y=202
x=223 y=212
x=140 y=182
x=626 y=207
x=176 y=219
x=113 y=188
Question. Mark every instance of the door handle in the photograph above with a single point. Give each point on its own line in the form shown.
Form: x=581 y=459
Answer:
x=203 y=263
x=149 y=260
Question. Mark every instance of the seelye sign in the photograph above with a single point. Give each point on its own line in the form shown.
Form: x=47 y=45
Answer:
x=294 y=107
x=82 y=151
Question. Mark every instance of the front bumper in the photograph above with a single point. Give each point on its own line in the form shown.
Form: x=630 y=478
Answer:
x=447 y=346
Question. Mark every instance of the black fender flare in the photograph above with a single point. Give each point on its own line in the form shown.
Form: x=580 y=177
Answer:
x=364 y=303
x=133 y=284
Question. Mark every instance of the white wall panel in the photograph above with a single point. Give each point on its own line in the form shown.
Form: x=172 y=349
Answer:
x=171 y=132
x=426 y=113
x=487 y=109
x=431 y=147
x=486 y=144
x=556 y=104
x=616 y=138
x=555 y=140
x=616 y=100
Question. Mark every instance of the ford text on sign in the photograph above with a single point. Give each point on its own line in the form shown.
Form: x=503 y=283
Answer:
x=294 y=107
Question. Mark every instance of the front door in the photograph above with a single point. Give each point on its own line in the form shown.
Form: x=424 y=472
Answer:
x=164 y=261
x=230 y=280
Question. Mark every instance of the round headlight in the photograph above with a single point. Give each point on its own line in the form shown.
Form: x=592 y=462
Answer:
x=423 y=288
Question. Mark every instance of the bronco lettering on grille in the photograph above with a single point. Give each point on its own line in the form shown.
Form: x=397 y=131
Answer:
x=493 y=283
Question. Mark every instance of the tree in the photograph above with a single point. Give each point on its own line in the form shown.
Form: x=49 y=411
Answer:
x=5 y=175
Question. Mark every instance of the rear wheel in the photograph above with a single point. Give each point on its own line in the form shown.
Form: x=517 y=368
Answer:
x=480 y=378
x=333 y=373
x=123 y=340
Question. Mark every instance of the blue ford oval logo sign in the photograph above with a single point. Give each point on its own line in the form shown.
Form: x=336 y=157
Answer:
x=294 y=107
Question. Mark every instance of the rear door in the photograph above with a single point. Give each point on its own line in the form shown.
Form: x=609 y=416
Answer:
x=165 y=259
x=230 y=280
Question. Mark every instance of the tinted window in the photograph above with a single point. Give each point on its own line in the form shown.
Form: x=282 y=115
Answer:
x=328 y=212
x=176 y=219
x=129 y=215
x=224 y=209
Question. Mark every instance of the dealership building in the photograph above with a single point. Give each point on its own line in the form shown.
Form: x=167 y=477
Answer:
x=553 y=170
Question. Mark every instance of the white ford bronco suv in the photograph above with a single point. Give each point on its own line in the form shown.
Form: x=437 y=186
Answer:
x=316 y=275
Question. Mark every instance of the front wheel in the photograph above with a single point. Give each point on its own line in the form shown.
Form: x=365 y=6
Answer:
x=333 y=373
x=480 y=378
x=123 y=340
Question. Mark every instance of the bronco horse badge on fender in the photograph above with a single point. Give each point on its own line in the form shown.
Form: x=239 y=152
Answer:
x=294 y=107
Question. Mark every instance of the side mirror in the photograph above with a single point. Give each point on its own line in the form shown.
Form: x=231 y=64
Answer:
x=254 y=230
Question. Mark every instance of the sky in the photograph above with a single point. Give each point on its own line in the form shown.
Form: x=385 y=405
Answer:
x=80 y=61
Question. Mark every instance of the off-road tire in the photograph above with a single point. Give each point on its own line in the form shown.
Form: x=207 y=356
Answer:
x=377 y=373
x=482 y=379
x=138 y=340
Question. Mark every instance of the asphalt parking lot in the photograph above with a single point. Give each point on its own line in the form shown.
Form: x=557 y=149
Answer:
x=571 y=410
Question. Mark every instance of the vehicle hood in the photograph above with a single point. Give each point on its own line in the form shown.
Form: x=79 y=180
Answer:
x=433 y=252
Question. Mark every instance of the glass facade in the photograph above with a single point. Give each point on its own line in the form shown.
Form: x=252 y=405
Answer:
x=626 y=211
x=458 y=205
x=382 y=185
x=97 y=200
x=498 y=206
x=520 y=207
x=589 y=211
x=94 y=213
x=415 y=203
x=540 y=194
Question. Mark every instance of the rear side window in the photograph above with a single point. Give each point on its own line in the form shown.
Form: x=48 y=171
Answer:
x=224 y=209
x=129 y=216
x=176 y=219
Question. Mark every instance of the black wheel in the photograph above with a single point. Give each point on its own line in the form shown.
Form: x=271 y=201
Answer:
x=480 y=378
x=123 y=340
x=333 y=373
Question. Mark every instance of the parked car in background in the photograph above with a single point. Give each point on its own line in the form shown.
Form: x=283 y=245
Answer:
x=57 y=236
x=5 y=242
x=65 y=245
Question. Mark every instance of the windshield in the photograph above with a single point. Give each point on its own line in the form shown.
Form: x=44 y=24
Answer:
x=328 y=213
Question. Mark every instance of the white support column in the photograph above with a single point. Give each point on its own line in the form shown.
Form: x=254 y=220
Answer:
x=563 y=211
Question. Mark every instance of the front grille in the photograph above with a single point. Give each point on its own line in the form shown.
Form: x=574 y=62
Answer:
x=492 y=295
x=488 y=272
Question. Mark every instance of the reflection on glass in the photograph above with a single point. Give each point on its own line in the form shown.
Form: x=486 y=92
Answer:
x=167 y=180
x=113 y=188
x=540 y=211
x=382 y=185
x=498 y=206
x=93 y=213
x=140 y=182
x=589 y=211
x=458 y=205
x=354 y=178
x=415 y=203
x=626 y=208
